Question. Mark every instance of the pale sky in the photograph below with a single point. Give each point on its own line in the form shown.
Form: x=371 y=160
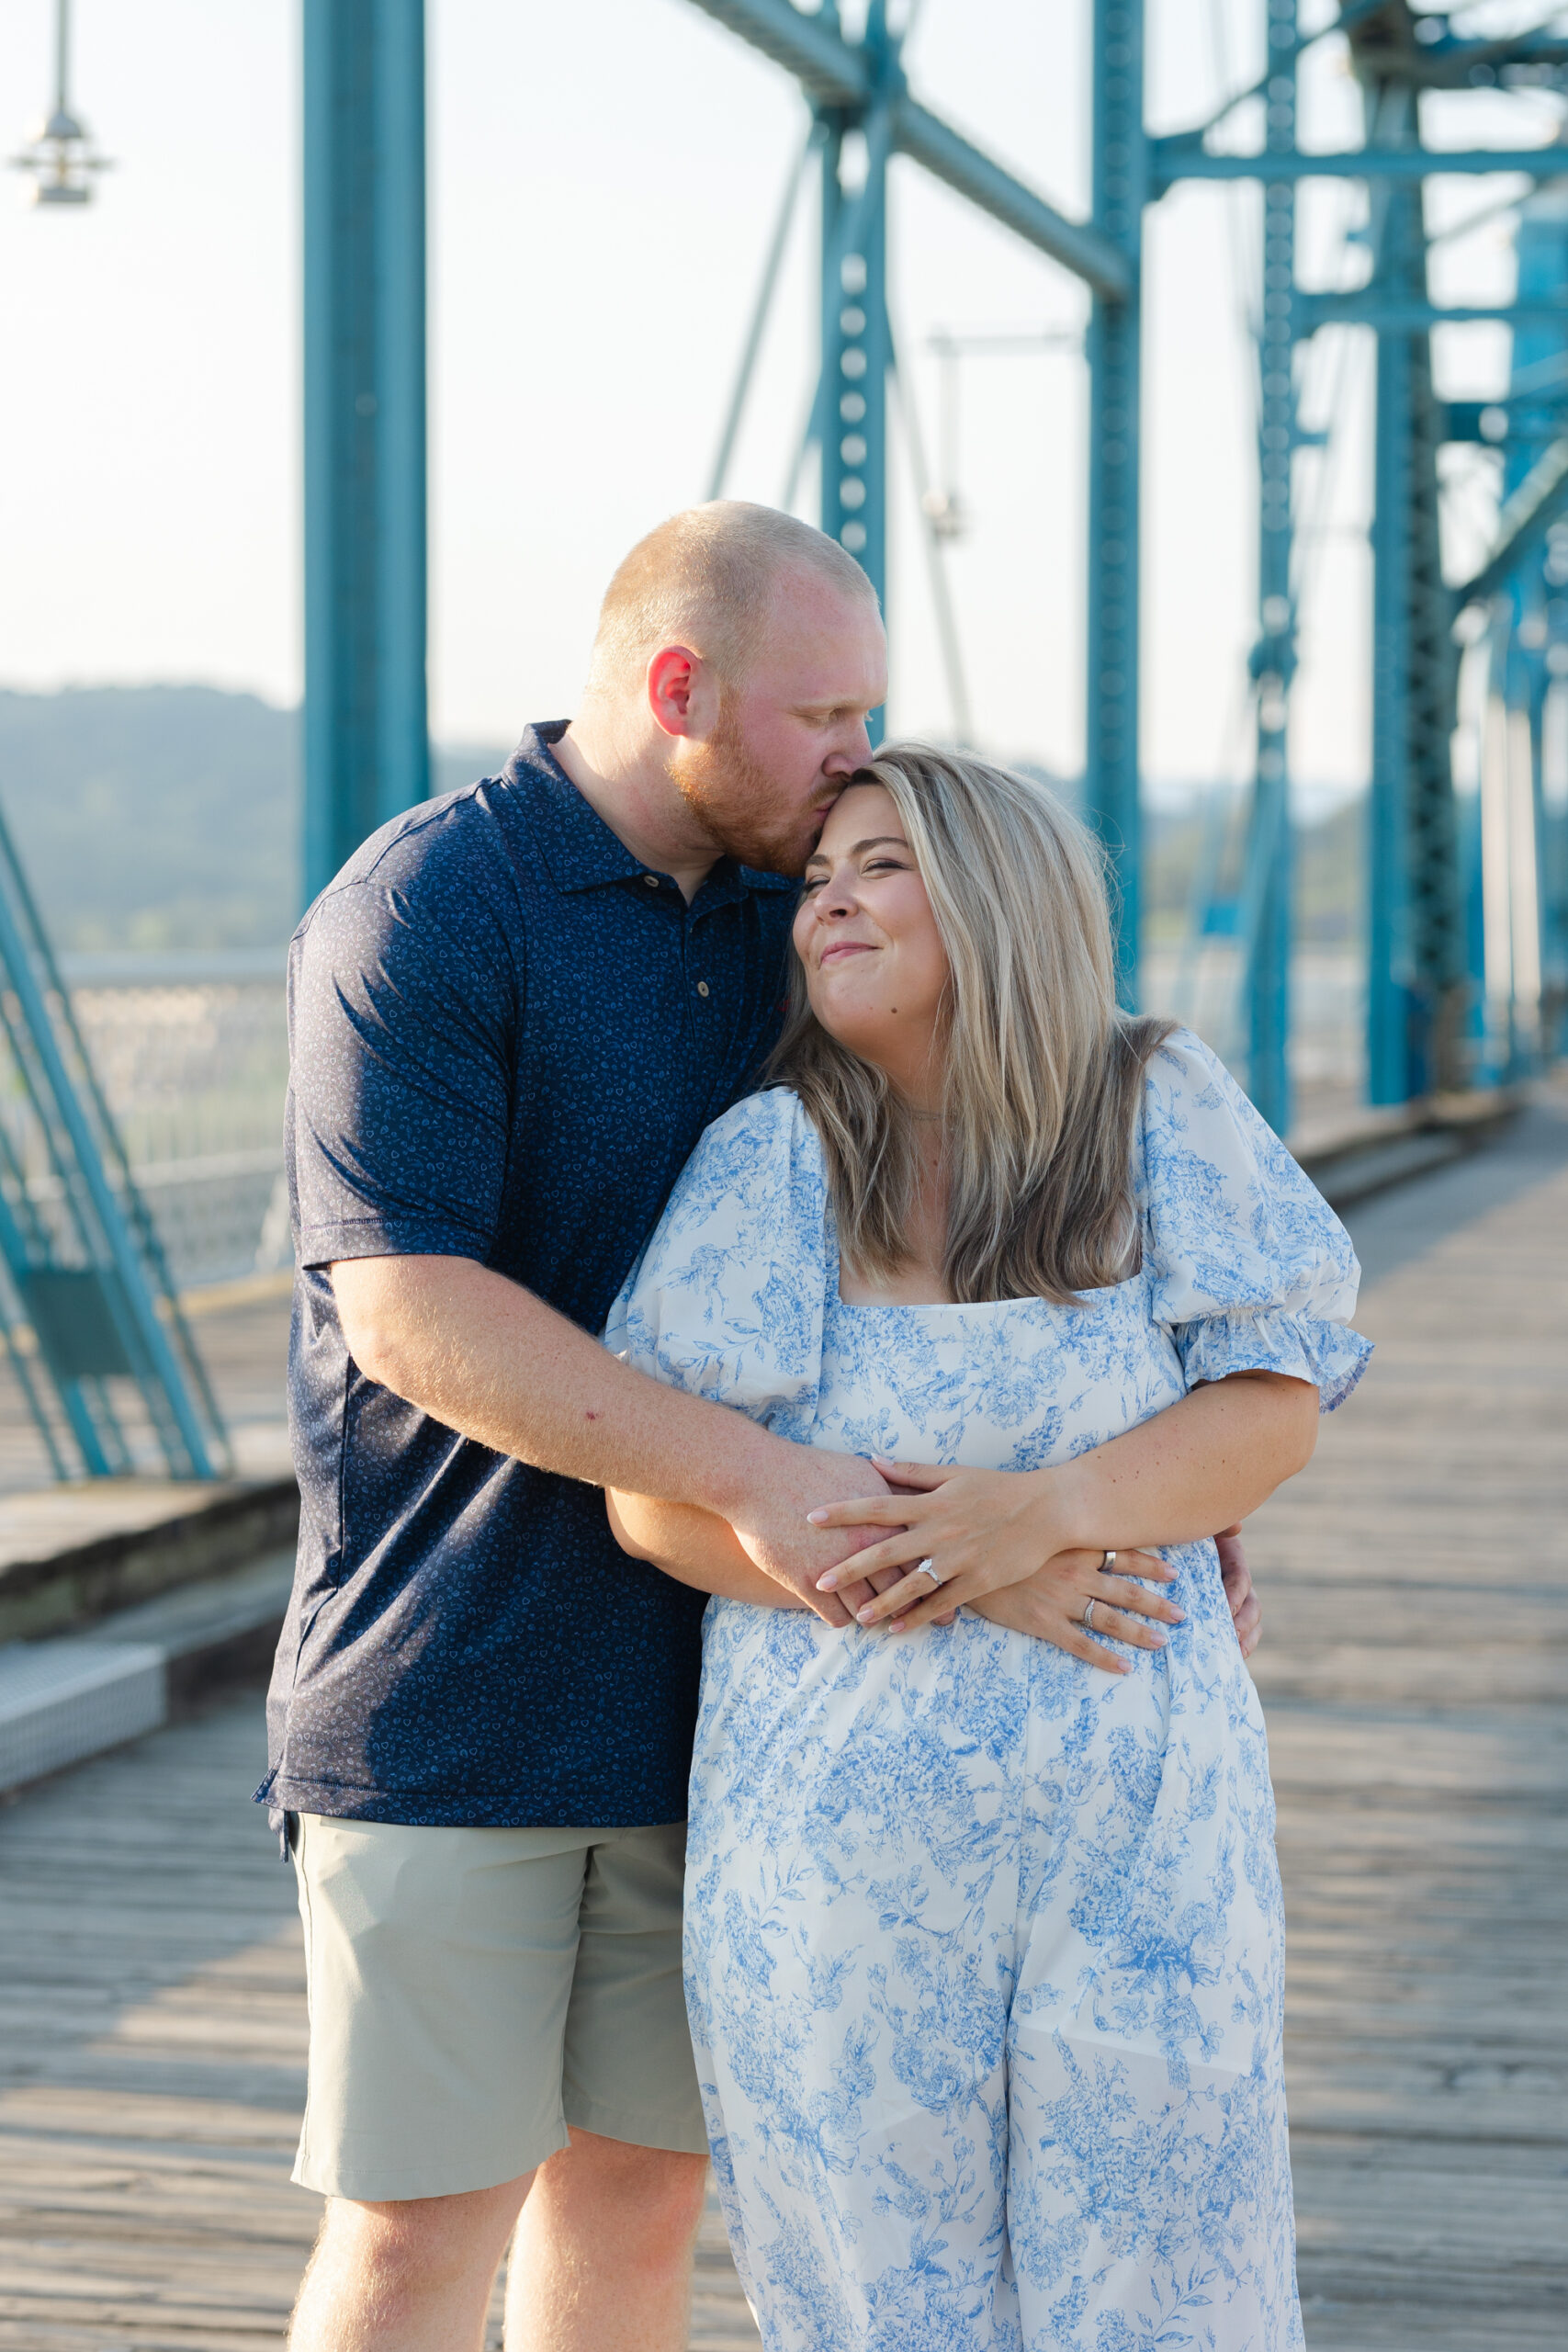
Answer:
x=603 y=174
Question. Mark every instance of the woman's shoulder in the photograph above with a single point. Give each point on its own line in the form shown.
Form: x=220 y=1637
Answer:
x=727 y=1299
x=773 y=1116
x=1216 y=1183
x=1182 y=1063
x=1191 y=1103
x=759 y=1162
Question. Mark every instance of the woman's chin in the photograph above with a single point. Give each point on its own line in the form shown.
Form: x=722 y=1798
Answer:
x=865 y=1032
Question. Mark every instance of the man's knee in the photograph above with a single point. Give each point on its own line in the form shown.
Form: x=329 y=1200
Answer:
x=651 y=2198
x=390 y=2258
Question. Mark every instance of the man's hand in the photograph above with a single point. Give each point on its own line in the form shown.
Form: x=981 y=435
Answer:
x=1246 y=1610
x=773 y=1528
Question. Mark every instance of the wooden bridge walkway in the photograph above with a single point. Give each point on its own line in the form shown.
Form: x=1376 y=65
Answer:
x=152 y=2029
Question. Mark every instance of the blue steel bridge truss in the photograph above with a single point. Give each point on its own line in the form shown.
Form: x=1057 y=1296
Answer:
x=1445 y=1006
x=1467 y=926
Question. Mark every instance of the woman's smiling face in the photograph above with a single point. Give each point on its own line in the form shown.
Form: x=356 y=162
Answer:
x=876 y=972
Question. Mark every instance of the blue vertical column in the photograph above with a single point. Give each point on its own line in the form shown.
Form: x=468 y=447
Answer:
x=366 y=728
x=1267 y=911
x=1539 y=615
x=1121 y=180
x=856 y=345
x=1389 y=1005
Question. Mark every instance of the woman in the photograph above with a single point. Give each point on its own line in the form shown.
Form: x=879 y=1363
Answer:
x=984 y=1943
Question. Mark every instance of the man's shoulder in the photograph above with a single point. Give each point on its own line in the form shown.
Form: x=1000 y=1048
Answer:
x=459 y=858
x=453 y=836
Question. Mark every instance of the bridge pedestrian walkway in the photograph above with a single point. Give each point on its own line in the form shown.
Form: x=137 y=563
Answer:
x=152 y=2024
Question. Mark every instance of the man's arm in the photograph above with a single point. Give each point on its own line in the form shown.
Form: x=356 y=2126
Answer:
x=489 y=1360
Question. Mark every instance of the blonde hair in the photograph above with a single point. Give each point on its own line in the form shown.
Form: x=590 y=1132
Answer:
x=705 y=578
x=1045 y=1069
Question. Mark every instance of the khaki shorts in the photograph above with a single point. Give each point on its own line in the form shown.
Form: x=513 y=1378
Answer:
x=474 y=1991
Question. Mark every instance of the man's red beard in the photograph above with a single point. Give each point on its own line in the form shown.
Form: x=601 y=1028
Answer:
x=734 y=799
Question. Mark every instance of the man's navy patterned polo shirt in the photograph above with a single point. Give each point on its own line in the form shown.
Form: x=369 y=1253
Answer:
x=506 y=1035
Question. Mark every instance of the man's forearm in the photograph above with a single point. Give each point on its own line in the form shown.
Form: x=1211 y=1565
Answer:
x=493 y=1361
x=489 y=1360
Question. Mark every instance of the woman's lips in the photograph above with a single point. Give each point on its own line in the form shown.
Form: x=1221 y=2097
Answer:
x=844 y=947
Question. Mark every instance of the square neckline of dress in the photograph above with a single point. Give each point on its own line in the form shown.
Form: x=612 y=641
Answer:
x=832 y=1270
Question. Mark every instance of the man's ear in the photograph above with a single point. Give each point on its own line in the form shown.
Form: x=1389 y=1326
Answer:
x=674 y=686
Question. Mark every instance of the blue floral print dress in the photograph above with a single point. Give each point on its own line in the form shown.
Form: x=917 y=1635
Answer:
x=985 y=1947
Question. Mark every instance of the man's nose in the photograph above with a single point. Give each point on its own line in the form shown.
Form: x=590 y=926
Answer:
x=856 y=754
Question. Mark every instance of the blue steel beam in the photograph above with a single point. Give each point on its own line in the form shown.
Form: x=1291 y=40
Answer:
x=1266 y=895
x=367 y=747
x=840 y=74
x=851 y=400
x=1110 y=764
x=1525 y=516
x=1392 y=314
x=831 y=70
x=1180 y=158
x=1414 y=971
x=1096 y=258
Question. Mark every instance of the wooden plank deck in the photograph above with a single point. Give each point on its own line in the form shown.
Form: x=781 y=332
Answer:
x=151 y=2027
x=1414 y=1674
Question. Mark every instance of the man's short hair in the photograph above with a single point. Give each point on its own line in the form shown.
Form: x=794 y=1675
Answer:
x=706 y=579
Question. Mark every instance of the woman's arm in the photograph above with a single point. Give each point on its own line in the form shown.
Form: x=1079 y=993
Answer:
x=694 y=1546
x=698 y=1548
x=1211 y=1458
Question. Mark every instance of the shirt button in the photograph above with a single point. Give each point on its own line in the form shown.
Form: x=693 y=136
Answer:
x=702 y=988
x=651 y=880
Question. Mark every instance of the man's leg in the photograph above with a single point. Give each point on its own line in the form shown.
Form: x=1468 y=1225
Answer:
x=439 y=1965
x=413 y=2276
x=602 y=2261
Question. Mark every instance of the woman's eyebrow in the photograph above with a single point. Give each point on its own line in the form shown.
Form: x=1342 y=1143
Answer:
x=877 y=841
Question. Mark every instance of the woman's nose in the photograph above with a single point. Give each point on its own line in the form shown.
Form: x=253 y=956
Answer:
x=836 y=898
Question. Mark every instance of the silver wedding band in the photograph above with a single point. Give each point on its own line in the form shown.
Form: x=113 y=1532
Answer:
x=1088 y=1619
x=924 y=1568
x=1109 y=1562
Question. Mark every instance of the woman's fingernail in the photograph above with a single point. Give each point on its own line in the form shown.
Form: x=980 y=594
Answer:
x=829 y=1583
x=815 y=1518
x=1157 y=1640
x=863 y=1616
x=1179 y=1617
x=896 y=1624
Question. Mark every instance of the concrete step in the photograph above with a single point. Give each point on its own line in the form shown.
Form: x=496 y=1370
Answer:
x=61 y=1700
x=76 y=1695
x=71 y=1555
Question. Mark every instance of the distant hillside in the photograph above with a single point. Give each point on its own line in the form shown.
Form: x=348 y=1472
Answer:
x=163 y=817
x=167 y=816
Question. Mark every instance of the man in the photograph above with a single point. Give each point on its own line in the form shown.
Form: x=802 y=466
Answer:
x=511 y=1017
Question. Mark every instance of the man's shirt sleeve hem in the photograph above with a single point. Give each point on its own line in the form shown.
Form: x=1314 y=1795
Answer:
x=366 y=1237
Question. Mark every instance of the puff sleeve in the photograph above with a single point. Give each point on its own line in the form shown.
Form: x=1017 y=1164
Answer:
x=1252 y=1271
x=727 y=1299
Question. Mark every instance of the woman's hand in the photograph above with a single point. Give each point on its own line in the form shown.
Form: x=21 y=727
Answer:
x=1050 y=1604
x=1207 y=1460
x=988 y=1529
